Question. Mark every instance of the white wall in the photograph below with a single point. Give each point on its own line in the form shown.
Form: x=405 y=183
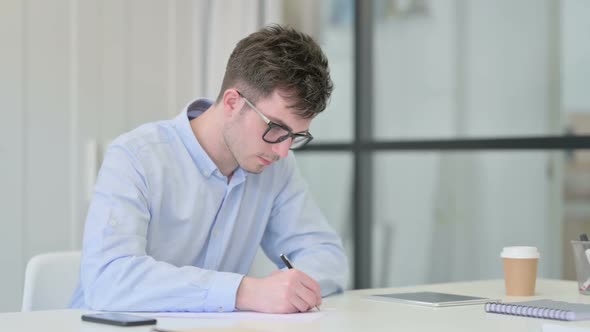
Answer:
x=36 y=211
x=11 y=152
x=76 y=74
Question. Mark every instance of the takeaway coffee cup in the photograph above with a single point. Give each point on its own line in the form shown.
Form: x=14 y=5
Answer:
x=520 y=270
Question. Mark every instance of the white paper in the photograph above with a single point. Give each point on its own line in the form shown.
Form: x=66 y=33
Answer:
x=237 y=316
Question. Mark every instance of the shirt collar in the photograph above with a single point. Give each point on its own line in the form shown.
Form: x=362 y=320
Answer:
x=201 y=159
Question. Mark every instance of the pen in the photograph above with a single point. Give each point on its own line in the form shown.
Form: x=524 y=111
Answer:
x=290 y=266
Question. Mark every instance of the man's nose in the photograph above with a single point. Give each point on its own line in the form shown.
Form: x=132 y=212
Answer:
x=282 y=148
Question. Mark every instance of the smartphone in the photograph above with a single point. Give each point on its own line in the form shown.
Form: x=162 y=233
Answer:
x=113 y=318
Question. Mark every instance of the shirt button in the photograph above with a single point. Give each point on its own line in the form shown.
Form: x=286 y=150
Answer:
x=215 y=232
x=113 y=222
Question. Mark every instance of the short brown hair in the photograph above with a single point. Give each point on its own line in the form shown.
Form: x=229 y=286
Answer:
x=278 y=57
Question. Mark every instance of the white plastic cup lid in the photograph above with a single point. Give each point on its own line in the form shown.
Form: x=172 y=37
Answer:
x=520 y=252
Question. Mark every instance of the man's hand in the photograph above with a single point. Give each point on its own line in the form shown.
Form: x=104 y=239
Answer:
x=285 y=291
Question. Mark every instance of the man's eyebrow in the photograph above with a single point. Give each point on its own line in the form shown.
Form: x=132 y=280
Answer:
x=279 y=122
x=282 y=124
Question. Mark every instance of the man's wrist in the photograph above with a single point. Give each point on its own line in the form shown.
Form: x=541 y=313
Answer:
x=245 y=292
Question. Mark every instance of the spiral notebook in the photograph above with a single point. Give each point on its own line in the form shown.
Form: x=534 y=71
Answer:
x=548 y=309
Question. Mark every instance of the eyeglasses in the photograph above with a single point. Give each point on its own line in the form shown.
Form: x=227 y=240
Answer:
x=277 y=133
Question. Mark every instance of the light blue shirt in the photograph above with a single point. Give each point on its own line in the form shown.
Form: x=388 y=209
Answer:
x=166 y=231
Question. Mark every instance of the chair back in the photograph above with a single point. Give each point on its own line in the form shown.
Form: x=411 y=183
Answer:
x=50 y=280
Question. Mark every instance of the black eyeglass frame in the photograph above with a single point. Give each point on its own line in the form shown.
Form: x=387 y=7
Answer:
x=299 y=139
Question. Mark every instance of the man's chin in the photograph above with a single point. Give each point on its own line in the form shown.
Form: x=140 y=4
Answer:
x=255 y=165
x=254 y=169
x=259 y=171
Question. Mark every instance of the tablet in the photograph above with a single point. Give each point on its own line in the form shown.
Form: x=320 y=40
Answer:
x=432 y=299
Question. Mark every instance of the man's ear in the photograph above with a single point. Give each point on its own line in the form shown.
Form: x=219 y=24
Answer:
x=232 y=103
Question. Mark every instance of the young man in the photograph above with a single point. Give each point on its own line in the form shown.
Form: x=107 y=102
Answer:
x=181 y=206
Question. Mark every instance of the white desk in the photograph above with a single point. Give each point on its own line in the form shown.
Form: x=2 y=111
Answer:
x=351 y=311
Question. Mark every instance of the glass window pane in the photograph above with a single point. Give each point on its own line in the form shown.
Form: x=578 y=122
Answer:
x=576 y=207
x=575 y=59
x=442 y=217
x=459 y=69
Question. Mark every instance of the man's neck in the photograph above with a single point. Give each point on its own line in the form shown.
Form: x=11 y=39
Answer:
x=208 y=130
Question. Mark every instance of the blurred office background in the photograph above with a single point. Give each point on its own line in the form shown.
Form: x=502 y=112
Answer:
x=74 y=74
